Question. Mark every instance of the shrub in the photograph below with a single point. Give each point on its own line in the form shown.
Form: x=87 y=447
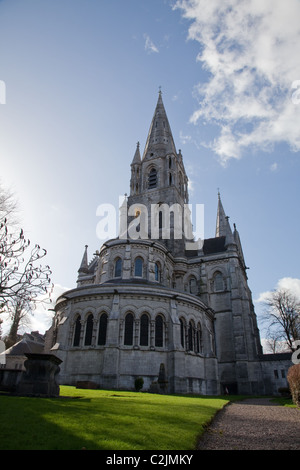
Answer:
x=285 y=392
x=138 y=383
x=293 y=378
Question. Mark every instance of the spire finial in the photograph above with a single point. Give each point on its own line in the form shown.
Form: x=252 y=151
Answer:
x=159 y=90
x=84 y=263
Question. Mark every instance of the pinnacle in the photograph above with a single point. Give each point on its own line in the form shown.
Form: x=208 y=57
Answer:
x=160 y=139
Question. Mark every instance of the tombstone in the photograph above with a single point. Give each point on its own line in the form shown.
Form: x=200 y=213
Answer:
x=39 y=380
x=162 y=379
x=161 y=385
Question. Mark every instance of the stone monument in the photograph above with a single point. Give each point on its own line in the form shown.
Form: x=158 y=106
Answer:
x=39 y=379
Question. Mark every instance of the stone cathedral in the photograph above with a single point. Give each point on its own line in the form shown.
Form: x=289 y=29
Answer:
x=154 y=304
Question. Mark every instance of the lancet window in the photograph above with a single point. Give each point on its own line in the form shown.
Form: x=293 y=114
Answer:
x=159 y=331
x=77 y=331
x=128 y=335
x=152 y=180
x=89 y=330
x=102 y=329
x=144 y=330
x=118 y=268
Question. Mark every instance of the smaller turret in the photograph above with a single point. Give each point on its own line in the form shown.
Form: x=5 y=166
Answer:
x=135 y=181
x=84 y=267
x=223 y=228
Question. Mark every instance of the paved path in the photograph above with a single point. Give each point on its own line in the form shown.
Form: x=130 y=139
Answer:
x=253 y=424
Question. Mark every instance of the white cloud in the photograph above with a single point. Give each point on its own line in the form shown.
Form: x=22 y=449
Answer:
x=250 y=49
x=149 y=45
x=41 y=319
x=286 y=283
x=184 y=139
x=274 y=167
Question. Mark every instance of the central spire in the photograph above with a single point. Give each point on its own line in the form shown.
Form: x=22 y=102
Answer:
x=160 y=141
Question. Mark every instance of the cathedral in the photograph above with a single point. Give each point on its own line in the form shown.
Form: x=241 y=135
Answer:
x=156 y=304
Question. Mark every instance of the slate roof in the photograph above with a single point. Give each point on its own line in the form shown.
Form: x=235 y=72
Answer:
x=214 y=245
x=24 y=346
x=276 y=357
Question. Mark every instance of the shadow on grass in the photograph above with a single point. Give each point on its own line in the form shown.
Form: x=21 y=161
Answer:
x=26 y=424
x=105 y=421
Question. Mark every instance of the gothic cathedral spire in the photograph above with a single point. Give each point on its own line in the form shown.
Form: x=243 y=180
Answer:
x=160 y=140
x=222 y=225
x=159 y=177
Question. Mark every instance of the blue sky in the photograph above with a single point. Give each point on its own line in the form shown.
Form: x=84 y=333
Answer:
x=82 y=80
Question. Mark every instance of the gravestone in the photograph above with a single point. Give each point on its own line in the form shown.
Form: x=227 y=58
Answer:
x=161 y=385
x=39 y=379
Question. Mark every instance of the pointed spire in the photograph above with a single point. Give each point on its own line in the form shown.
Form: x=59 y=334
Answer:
x=223 y=226
x=222 y=220
x=160 y=139
x=84 y=263
x=137 y=155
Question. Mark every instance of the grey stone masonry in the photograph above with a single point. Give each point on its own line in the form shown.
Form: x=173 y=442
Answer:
x=149 y=306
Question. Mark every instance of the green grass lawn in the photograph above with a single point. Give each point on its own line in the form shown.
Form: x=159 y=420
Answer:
x=101 y=419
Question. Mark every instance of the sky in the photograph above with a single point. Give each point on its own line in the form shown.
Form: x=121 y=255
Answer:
x=79 y=82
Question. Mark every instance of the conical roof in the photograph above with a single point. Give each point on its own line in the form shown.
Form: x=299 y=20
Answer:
x=84 y=263
x=137 y=155
x=222 y=223
x=223 y=228
x=160 y=139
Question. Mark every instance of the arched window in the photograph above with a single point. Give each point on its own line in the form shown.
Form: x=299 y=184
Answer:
x=199 y=339
x=77 y=331
x=128 y=336
x=152 y=181
x=144 y=330
x=159 y=331
x=89 y=330
x=182 y=332
x=138 y=267
x=191 y=336
x=218 y=282
x=157 y=272
x=102 y=329
x=118 y=268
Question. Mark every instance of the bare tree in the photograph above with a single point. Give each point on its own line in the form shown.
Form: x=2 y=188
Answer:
x=8 y=205
x=20 y=274
x=274 y=342
x=283 y=317
x=23 y=280
x=18 y=314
